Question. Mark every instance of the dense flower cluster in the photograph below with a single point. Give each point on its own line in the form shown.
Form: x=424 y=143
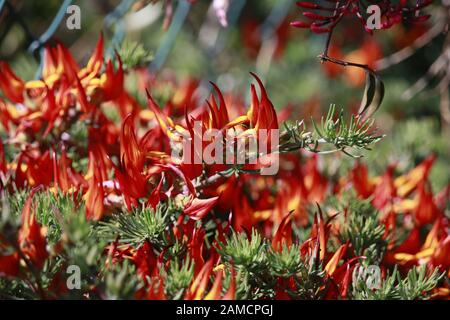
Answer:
x=323 y=17
x=196 y=231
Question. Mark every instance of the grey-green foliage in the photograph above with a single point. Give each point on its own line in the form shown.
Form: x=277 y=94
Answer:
x=121 y=281
x=359 y=134
x=75 y=241
x=248 y=255
x=66 y=225
x=133 y=54
x=309 y=281
x=138 y=226
x=51 y=210
x=364 y=231
x=12 y=203
x=259 y=267
x=178 y=277
x=10 y=208
x=307 y=271
x=245 y=252
x=417 y=284
x=286 y=262
x=81 y=247
x=333 y=131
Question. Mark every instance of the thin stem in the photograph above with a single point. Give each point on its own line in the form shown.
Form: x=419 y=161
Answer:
x=213 y=179
x=330 y=34
x=345 y=63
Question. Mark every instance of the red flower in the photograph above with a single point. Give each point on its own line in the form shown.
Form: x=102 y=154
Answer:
x=95 y=192
x=11 y=85
x=3 y=163
x=196 y=208
x=426 y=210
x=32 y=241
x=324 y=18
x=385 y=191
x=145 y=260
x=9 y=265
x=360 y=179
